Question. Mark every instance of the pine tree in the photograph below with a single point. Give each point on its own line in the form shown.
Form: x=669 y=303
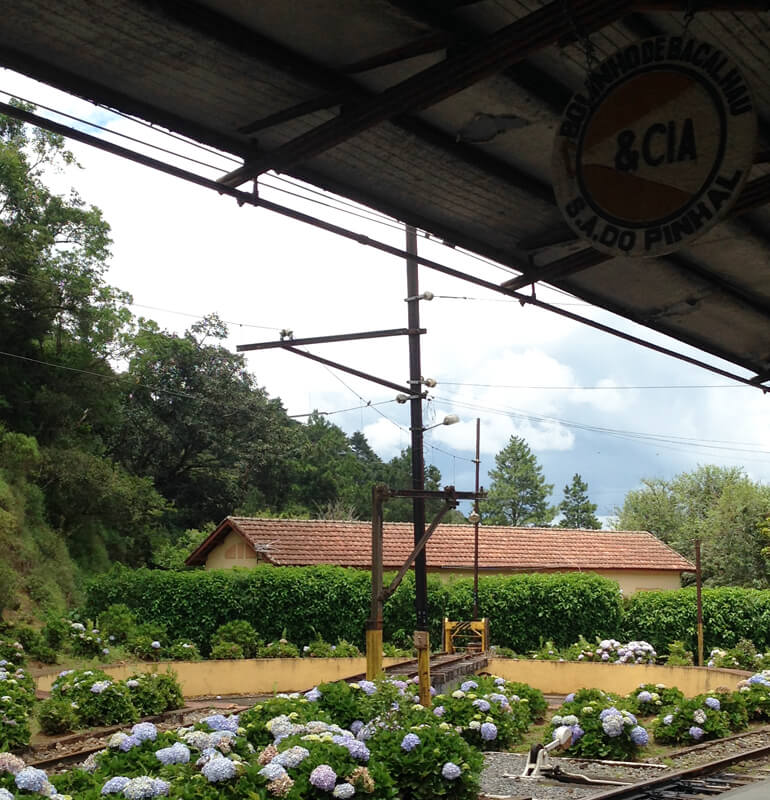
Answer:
x=577 y=510
x=518 y=493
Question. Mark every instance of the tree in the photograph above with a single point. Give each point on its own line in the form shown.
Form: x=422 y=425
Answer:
x=398 y=475
x=577 y=510
x=721 y=506
x=54 y=304
x=196 y=423
x=518 y=493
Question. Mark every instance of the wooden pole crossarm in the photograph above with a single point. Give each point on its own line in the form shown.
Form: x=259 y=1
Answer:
x=448 y=494
x=337 y=337
x=448 y=504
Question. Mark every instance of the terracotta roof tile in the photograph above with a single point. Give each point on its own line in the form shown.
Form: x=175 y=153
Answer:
x=310 y=542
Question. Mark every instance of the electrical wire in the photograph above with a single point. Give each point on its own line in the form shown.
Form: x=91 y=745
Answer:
x=603 y=388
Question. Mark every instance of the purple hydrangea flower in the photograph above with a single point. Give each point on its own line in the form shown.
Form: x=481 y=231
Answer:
x=313 y=695
x=356 y=726
x=292 y=757
x=713 y=703
x=482 y=705
x=99 y=686
x=115 y=785
x=467 y=686
x=439 y=711
x=577 y=732
x=451 y=771
x=488 y=731
x=367 y=687
x=639 y=736
x=570 y=697
x=696 y=732
x=128 y=743
x=499 y=681
x=608 y=712
x=323 y=777
x=409 y=742
x=145 y=786
x=644 y=697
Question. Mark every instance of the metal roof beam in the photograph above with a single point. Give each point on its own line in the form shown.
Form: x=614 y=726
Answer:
x=508 y=46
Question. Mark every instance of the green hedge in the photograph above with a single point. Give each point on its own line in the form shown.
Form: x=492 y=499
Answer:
x=729 y=614
x=334 y=602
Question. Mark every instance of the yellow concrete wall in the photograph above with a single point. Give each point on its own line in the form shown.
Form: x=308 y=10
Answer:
x=558 y=677
x=242 y=676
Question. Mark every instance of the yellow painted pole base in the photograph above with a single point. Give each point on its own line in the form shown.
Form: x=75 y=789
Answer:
x=422 y=640
x=373 y=653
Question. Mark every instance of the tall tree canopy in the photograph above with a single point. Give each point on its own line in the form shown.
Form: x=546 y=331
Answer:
x=576 y=509
x=721 y=506
x=518 y=493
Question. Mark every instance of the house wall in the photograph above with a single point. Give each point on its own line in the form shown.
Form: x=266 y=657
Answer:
x=233 y=551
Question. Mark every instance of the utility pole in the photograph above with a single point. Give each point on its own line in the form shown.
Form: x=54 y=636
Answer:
x=421 y=637
x=476 y=520
x=699 y=602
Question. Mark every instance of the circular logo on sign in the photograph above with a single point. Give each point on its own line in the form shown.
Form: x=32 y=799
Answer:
x=657 y=148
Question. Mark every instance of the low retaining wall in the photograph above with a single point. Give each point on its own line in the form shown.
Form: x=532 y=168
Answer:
x=242 y=676
x=269 y=675
x=563 y=677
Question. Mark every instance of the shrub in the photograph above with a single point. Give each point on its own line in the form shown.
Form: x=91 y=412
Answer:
x=18 y=696
x=757 y=699
x=184 y=651
x=118 y=623
x=318 y=648
x=56 y=632
x=535 y=699
x=242 y=633
x=600 y=729
x=650 y=698
x=692 y=721
x=85 y=640
x=155 y=692
x=147 y=648
x=679 y=656
x=12 y=650
x=57 y=716
x=97 y=698
x=227 y=650
x=743 y=656
x=254 y=721
x=279 y=649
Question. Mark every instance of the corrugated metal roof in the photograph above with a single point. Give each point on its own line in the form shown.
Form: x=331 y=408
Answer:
x=213 y=70
x=349 y=544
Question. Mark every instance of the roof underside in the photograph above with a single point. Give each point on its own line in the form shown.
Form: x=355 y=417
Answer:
x=463 y=153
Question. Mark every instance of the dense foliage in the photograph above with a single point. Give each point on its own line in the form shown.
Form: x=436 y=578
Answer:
x=276 y=602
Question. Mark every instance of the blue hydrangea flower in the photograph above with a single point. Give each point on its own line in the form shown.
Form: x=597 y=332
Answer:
x=219 y=769
x=313 y=695
x=409 y=742
x=668 y=719
x=713 y=703
x=31 y=779
x=439 y=711
x=5 y=794
x=639 y=736
x=367 y=687
x=356 y=726
x=155 y=645
x=468 y=686
x=115 y=785
x=488 y=731
x=608 y=712
x=482 y=705
x=323 y=777
x=218 y=722
x=696 y=732
x=451 y=771
x=145 y=731
x=344 y=791
x=176 y=754
x=272 y=771
x=499 y=681
x=570 y=697
x=644 y=697
x=99 y=686
x=292 y=757
x=577 y=732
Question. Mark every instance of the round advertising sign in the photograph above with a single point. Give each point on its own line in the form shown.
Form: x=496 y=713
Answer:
x=657 y=149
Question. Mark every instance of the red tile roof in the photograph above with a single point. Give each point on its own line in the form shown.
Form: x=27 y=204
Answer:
x=348 y=544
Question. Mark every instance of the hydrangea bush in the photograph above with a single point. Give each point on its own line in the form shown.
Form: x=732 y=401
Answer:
x=650 y=698
x=17 y=696
x=601 y=727
x=691 y=721
x=756 y=694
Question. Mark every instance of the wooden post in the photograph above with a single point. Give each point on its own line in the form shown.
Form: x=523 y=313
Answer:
x=374 y=624
x=700 y=604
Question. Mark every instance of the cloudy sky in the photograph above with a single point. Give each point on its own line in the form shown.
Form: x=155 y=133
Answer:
x=585 y=401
